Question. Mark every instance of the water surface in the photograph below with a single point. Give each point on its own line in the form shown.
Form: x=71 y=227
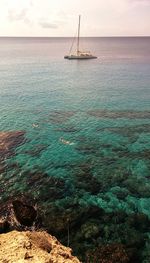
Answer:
x=86 y=134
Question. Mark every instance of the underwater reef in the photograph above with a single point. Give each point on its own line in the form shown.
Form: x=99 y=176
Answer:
x=88 y=182
x=9 y=140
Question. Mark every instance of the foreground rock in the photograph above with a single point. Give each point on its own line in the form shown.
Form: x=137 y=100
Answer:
x=24 y=213
x=19 y=213
x=19 y=247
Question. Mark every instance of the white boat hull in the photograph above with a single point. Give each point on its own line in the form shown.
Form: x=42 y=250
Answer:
x=80 y=57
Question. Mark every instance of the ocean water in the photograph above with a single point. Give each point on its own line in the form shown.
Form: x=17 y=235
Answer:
x=85 y=155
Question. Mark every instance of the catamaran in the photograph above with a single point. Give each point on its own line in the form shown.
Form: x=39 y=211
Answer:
x=78 y=53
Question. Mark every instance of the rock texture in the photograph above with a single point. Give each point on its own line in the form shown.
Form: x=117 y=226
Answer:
x=19 y=213
x=33 y=246
x=24 y=213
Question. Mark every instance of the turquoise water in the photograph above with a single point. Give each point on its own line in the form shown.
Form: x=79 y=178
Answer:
x=86 y=124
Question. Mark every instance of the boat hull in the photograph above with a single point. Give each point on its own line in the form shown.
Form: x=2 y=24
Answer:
x=80 y=57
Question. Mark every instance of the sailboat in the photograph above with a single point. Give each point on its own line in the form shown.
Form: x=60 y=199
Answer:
x=79 y=54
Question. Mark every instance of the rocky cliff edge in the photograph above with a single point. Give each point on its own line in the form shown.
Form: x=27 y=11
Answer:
x=33 y=246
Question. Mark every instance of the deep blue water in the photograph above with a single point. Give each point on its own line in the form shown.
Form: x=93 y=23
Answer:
x=86 y=123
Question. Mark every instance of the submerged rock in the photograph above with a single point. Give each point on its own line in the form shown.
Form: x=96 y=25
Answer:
x=119 y=114
x=128 y=131
x=33 y=246
x=9 y=140
x=68 y=129
x=89 y=230
x=87 y=181
x=59 y=117
x=36 y=150
x=50 y=188
x=57 y=220
x=110 y=253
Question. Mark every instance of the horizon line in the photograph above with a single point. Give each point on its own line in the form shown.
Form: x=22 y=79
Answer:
x=72 y=36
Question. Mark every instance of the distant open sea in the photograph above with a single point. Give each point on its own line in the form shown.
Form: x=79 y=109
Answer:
x=85 y=156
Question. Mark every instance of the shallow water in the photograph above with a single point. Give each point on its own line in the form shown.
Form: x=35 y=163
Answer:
x=86 y=124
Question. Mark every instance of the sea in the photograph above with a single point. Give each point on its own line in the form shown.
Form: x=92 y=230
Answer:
x=85 y=148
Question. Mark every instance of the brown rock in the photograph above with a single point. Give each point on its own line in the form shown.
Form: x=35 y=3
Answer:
x=27 y=256
x=4 y=225
x=24 y=213
x=44 y=248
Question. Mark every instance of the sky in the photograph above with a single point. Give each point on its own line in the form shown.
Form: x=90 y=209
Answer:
x=60 y=17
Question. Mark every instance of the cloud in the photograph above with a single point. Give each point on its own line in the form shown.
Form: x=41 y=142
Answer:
x=47 y=24
x=31 y=3
x=14 y=16
x=21 y=15
x=140 y=1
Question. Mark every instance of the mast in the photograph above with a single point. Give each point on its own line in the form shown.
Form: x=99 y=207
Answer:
x=78 y=35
